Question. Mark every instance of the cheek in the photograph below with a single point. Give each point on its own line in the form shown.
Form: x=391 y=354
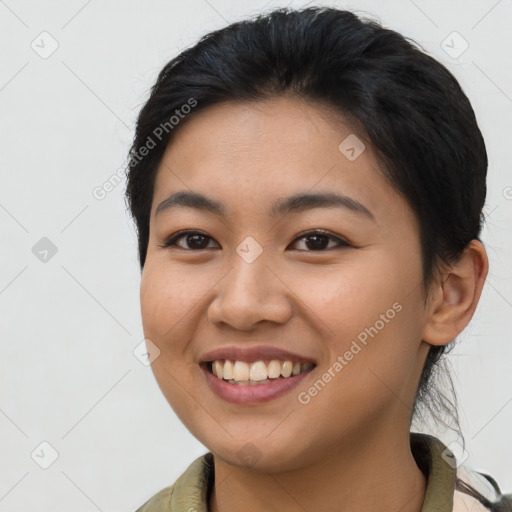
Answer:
x=380 y=374
x=169 y=300
x=373 y=314
x=168 y=297
x=353 y=295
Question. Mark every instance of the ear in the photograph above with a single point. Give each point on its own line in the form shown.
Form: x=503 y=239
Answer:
x=454 y=295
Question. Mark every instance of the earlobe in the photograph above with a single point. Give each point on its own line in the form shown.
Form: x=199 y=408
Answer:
x=454 y=296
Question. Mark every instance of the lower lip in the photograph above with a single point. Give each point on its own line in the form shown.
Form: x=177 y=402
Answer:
x=252 y=394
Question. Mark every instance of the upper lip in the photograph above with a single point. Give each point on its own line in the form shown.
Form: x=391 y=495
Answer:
x=252 y=354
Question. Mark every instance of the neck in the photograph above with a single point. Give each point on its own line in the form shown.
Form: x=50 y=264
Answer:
x=377 y=473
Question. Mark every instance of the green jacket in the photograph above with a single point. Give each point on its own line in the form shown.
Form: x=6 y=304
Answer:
x=447 y=489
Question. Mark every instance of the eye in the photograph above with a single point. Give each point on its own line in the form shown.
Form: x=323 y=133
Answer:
x=313 y=241
x=195 y=239
x=320 y=240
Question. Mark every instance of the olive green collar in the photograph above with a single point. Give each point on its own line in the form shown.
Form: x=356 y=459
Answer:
x=438 y=465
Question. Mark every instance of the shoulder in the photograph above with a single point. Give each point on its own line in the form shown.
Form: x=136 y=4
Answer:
x=463 y=502
x=453 y=486
x=479 y=492
x=160 y=502
x=188 y=493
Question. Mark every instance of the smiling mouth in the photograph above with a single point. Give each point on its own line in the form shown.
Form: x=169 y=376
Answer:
x=256 y=373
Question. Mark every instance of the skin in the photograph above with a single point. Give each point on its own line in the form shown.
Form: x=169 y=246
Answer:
x=355 y=431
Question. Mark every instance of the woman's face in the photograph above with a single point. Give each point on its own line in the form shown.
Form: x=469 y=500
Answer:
x=347 y=299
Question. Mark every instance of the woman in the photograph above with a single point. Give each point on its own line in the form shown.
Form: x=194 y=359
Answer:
x=307 y=189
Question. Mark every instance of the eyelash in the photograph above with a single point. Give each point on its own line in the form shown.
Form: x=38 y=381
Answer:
x=171 y=241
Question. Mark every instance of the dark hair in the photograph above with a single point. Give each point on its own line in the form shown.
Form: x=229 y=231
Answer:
x=397 y=98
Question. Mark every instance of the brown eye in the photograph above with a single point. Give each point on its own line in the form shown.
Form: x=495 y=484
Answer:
x=319 y=241
x=314 y=241
x=191 y=240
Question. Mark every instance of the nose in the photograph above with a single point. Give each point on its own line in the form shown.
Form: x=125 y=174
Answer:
x=251 y=293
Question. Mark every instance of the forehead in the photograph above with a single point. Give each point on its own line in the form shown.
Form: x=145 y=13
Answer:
x=270 y=149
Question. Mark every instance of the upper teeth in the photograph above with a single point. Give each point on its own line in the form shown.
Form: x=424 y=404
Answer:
x=257 y=371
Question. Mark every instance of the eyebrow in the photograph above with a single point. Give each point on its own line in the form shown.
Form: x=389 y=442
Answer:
x=296 y=203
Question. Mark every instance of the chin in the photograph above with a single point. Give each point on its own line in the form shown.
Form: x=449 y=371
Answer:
x=259 y=454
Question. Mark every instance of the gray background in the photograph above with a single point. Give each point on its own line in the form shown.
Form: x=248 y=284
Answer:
x=70 y=324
